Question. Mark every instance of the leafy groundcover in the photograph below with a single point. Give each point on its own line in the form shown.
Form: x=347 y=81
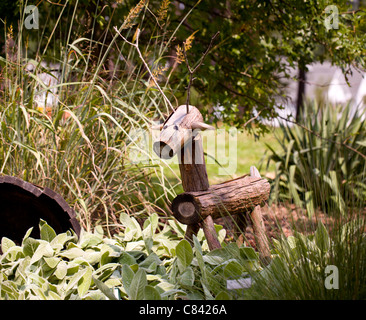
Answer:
x=152 y=263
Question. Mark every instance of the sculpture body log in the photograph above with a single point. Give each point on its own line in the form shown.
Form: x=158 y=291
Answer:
x=236 y=196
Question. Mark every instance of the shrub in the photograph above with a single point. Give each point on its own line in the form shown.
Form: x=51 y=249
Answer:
x=321 y=161
x=323 y=265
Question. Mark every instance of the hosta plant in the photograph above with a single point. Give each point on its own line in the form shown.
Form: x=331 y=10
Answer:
x=150 y=262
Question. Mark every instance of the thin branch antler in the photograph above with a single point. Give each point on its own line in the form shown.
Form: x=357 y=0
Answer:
x=192 y=71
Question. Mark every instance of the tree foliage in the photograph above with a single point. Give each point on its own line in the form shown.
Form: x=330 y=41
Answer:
x=260 y=40
x=246 y=70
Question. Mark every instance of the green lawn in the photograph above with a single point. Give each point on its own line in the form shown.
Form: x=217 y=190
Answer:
x=235 y=158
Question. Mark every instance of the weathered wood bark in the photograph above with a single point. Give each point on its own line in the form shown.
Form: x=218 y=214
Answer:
x=210 y=233
x=180 y=135
x=192 y=166
x=236 y=196
x=258 y=227
x=260 y=236
x=24 y=204
x=194 y=178
x=177 y=130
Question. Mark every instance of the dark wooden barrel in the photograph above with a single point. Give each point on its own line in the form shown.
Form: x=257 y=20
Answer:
x=23 y=204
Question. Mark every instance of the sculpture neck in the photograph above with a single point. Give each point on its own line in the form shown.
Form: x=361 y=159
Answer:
x=192 y=166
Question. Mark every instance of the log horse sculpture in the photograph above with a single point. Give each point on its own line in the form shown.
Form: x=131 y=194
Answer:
x=201 y=203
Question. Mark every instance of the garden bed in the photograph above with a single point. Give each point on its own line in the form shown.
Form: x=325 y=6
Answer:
x=278 y=220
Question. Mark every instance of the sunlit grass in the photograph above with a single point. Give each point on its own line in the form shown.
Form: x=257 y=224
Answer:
x=222 y=163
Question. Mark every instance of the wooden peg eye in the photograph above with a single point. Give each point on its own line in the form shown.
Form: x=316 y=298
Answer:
x=165 y=127
x=175 y=127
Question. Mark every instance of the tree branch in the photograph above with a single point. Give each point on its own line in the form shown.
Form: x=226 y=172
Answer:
x=136 y=45
x=192 y=71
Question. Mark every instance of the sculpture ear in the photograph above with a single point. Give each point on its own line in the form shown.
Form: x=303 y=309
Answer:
x=158 y=126
x=201 y=126
x=254 y=172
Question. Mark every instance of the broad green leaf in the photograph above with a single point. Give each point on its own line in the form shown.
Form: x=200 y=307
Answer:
x=52 y=262
x=213 y=259
x=133 y=229
x=61 y=270
x=95 y=295
x=135 y=245
x=98 y=230
x=59 y=241
x=105 y=271
x=127 y=276
x=6 y=244
x=108 y=292
x=47 y=233
x=37 y=279
x=223 y=295
x=90 y=240
x=43 y=250
x=150 y=225
x=150 y=263
x=22 y=269
x=30 y=246
x=85 y=282
x=92 y=257
x=178 y=227
x=199 y=256
x=54 y=295
x=170 y=292
x=26 y=236
x=187 y=277
x=138 y=285
x=75 y=279
x=72 y=253
x=12 y=254
x=39 y=293
x=149 y=242
x=233 y=269
x=184 y=254
x=126 y=258
x=248 y=253
x=113 y=282
x=150 y=293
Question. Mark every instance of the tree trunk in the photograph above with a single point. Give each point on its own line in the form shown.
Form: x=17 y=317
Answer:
x=300 y=93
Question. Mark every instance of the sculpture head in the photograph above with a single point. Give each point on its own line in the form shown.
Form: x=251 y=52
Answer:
x=177 y=129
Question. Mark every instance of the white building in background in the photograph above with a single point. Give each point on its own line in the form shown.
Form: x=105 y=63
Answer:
x=360 y=101
x=338 y=92
x=327 y=83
